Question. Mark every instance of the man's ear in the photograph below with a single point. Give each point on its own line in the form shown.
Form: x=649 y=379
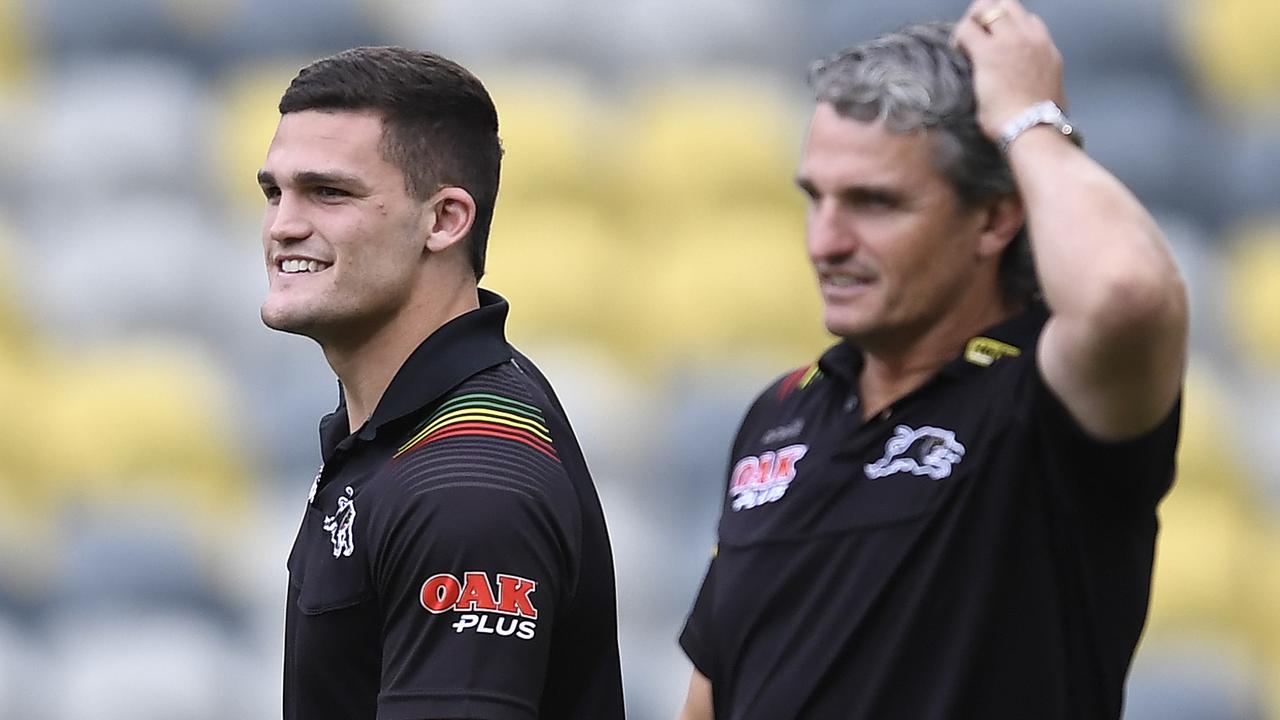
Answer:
x=1004 y=217
x=453 y=212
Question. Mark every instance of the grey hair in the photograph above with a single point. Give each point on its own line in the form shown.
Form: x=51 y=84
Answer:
x=914 y=79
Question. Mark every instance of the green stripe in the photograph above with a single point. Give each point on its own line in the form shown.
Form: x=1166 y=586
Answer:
x=497 y=402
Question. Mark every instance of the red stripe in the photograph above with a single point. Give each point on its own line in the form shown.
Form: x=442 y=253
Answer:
x=789 y=383
x=487 y=430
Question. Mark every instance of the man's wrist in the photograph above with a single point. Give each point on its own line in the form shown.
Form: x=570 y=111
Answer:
x=1045 y=113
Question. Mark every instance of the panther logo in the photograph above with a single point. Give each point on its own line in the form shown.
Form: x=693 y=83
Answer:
x=928 y=451
x=339 y=525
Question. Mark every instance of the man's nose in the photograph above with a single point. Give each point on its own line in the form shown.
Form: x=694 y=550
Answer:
x=288 y=220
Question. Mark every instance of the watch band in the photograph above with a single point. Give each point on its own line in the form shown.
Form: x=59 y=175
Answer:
x=1045 y=112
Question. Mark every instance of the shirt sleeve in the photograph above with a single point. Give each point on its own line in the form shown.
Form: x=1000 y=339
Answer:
x=696 y=638
x=1103 y=479
x=475 y=565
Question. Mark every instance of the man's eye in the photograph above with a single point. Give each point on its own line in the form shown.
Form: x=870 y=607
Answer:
x=331 y=192
x=879 y=202
x=271 y=192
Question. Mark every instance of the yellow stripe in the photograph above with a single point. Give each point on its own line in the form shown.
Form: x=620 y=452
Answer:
x=496 y=416
x=809 y=375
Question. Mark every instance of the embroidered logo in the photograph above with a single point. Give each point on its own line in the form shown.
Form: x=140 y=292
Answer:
x=982 y=351
x=510 y=608
x=339 y=526
x=764 y=478
x=315 y=485
x=928 y=451
x=783 y=432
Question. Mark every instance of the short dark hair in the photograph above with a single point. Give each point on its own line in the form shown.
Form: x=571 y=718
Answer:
x=439 y=124
x=916 y=79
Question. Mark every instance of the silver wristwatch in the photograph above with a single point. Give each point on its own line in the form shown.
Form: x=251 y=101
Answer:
x=1042 y=113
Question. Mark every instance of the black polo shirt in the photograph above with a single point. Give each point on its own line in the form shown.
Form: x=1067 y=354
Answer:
x=968 y=553
x=453 y=560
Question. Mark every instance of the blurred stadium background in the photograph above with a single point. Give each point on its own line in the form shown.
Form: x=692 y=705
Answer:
x=157 y=443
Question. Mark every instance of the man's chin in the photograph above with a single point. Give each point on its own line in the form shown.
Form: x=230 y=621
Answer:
x=843 y=326
x=280 y=320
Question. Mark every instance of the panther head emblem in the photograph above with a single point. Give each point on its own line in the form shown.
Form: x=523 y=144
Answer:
x=339 y=525
x=927 y=451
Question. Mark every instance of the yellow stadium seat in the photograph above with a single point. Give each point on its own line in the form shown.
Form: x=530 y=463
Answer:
x=1253 y=292
x=1233 y=44
x=144 y=425
x=15 y=46
x=710 y=143
x=734 y=284
x=561 y=267
x=1209 y=450
x=1261 y=596
x=552 y=134
x=1203 y=561
x=244 y=128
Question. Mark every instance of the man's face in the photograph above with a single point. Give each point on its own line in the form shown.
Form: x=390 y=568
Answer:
x=890 y=244
x=344 y=242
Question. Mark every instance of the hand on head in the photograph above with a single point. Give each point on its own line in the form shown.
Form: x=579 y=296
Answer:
x=1015 y=63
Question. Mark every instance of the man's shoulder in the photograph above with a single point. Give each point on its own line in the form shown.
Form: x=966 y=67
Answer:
x=491 y=430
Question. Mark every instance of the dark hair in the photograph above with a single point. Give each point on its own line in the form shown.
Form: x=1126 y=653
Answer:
x=915 y=79
x=439 y=124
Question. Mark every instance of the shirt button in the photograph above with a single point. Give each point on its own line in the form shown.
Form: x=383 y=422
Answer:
x=851 y=403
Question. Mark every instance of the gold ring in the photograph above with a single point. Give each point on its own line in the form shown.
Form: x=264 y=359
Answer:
x=989 y=17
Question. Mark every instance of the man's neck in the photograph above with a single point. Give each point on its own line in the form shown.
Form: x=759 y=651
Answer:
x=892 y=370
x=366 y=366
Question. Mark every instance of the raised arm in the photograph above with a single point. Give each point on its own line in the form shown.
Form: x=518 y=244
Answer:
x=1114 y=348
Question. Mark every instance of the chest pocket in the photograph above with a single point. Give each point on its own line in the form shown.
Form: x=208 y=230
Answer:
x=327 y=566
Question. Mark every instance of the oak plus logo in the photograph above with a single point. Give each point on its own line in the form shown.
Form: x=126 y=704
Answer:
x=764 y=478
x=505 y=610
x=928 y=451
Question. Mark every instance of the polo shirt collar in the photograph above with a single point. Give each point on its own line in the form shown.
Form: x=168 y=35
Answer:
x=460 y=348
x=1008 y=338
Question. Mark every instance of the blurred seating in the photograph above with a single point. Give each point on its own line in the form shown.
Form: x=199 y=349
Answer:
x=505 y=32
x=665 y=38
x=561 y=267
x=729 y=283
x=15 y=46
x=701 y=144
x=143 y=666
x=144 y=421
x=68 y=28
x=133 y=267
x=244 y=123
x=555 y=138
x=1103 y=37
x=1202 y=558
x=1200 y=262
x=1233 y=46
x=1176 y=161
x=21 y=672
x=832 y=25
x=269 y=29
x=113 y=128
x=1193 y=678
x=1253 y=163
x=1252 y=292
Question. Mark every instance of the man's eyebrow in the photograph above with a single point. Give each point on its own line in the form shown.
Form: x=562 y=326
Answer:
x=855 y=192
x=312 y=178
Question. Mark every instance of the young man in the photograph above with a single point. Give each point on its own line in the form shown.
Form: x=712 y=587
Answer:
x=453 y=560
x=951 y=514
